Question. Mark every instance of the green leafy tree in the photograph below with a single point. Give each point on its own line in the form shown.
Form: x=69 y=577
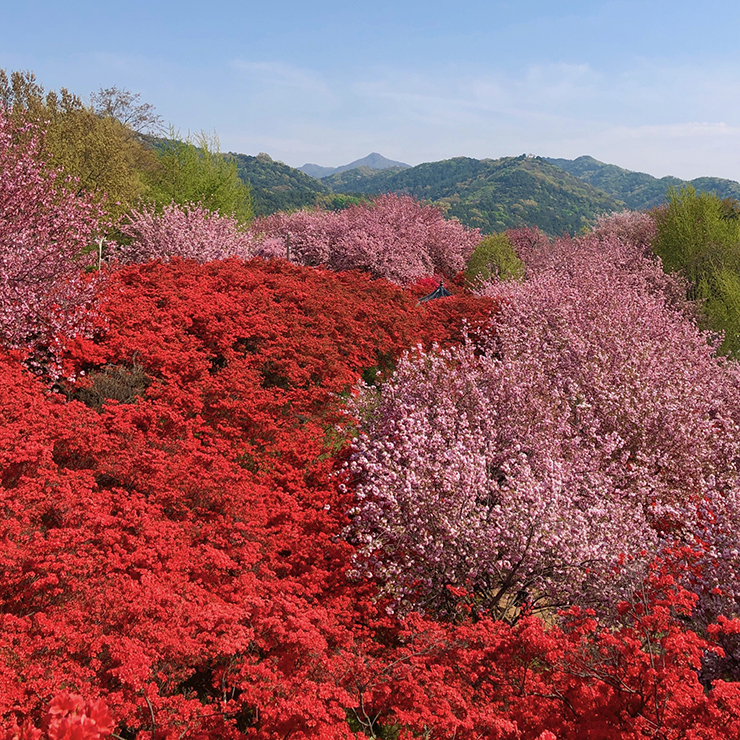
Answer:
x=100 y=151
x=195 y=171
x=698 y=235
x=494 y=258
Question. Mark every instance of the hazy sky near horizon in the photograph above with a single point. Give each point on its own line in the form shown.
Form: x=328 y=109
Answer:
x=650 y=85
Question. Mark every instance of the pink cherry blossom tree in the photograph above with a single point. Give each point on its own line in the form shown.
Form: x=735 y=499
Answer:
x=636 y=228
x=551 y=461
x=45 y=229
x=188 y=232
x=394 y=237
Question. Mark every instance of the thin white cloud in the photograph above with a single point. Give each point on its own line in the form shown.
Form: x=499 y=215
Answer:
x=542 y=95
x=557 y=83
x=692 y=130
x=673 y=120
x=293 y=79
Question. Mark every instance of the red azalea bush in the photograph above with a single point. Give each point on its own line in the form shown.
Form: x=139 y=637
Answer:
x=487 y=678
x=179 y=547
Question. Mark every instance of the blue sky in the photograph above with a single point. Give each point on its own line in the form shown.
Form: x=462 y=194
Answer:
x=649 y=85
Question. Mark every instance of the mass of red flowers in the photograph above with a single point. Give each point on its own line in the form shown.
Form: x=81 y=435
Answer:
x=209 y=485
x=173 y=545
x=171 y=529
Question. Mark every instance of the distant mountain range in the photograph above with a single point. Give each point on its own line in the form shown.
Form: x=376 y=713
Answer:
x=373 y=161
x=555 y=195
x=636 y=189
x=491 y=194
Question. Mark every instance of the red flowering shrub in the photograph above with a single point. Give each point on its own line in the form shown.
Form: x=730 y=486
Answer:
x=487 y=678
x=70 y=717
x=179 y=547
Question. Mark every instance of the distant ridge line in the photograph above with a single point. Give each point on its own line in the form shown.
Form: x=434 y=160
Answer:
x=373 y=161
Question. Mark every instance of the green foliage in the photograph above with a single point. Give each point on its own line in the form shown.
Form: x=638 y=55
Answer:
x=357 y=179
x=697 y=233
x=102 y=154
x=492 y=195
x=494 y=257
x=639 y=191
x=105 y=156
x=699 y=236
x=195 y=171
x=340 y=201
x=722 y=307
x=359 y=721
x=276 y=186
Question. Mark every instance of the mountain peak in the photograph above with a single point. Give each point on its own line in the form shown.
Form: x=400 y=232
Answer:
x=373 y=161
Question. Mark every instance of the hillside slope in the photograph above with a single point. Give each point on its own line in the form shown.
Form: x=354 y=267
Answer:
x=638 y=190
x=373 y=161
x=276 y=186
x=491 y=194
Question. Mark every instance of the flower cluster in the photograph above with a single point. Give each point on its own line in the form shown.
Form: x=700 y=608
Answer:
x=45 y=231
x=394 y=237
x=68 y=717
x=547 y=463
x=188 y=232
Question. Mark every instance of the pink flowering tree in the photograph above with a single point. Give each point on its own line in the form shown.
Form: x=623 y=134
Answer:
x=394 y=237
x=549 y=463
x=636 y=228
x=189 y=232
x=305 y=237
x=624 y=239
x=45 y=229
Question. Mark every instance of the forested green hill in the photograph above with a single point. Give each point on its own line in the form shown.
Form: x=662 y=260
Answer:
x=557 y=195
x=638 y=190
x=276 y=186
x=491 y=194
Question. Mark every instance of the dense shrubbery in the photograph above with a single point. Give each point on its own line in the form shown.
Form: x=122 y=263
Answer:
x=195 y=545
x=191 y=541
x=189 y=558
x=394 y=237
x=44 y=229
x=189 y=568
